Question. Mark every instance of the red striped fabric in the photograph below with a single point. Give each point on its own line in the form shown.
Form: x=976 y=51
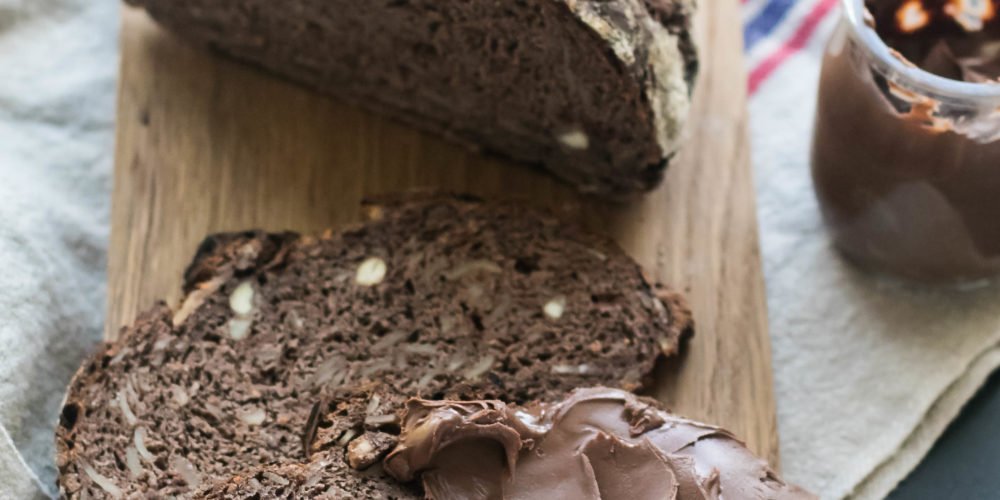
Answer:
x=795 y=43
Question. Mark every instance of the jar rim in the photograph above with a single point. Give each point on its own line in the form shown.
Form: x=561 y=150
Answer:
x=910 y=75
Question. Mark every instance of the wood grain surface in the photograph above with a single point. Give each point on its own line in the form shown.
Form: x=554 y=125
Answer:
x=206 y=144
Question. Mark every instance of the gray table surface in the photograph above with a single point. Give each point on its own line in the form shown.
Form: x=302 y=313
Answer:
x=965 y=462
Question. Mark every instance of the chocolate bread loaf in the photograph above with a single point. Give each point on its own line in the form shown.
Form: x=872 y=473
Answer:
x=291 y=351
x=597 y=91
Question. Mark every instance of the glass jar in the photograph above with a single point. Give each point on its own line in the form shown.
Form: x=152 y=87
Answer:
x=906 y=163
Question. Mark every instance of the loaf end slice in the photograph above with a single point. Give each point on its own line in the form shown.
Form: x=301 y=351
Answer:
x=291 y=350
x=597 y=91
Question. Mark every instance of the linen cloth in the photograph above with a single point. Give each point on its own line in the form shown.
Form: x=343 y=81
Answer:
x=867 y=373
x=58 y=60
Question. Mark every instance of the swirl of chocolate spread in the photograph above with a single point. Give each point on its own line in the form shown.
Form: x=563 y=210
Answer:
x=596 y=444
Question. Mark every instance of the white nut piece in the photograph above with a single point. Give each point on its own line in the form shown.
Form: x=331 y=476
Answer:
x=241 y=300
x=583 y=369
x=239 y=328
x=371 y=272
x=274 y=478
x=179 y=395
x=575 y=139
x=375 y=213
x=368 y=449
x=555 y=308
x=253 y=416
x=359 y=453
x=188 y=472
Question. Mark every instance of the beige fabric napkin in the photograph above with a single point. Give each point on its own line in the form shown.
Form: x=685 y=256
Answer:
x=868 y=373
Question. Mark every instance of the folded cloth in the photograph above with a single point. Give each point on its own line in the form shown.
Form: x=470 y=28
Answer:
x=58 y=60
x=868 y=373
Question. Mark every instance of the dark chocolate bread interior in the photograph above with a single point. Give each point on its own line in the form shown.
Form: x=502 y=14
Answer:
x=289 y=351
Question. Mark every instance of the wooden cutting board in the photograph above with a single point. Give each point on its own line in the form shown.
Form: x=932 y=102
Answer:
x=206 y=144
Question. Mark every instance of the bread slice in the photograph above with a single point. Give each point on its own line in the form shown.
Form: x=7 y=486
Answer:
x=597 y=91
x=287 y=349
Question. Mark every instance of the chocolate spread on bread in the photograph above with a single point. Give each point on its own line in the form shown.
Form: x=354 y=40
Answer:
x=595 y=444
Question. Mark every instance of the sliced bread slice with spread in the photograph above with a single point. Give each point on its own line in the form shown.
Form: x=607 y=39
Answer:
x=288 y=350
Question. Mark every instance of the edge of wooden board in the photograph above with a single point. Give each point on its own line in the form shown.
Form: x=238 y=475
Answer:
x=197 y=153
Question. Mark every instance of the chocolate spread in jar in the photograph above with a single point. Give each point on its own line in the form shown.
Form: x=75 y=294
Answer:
x=910 y=184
